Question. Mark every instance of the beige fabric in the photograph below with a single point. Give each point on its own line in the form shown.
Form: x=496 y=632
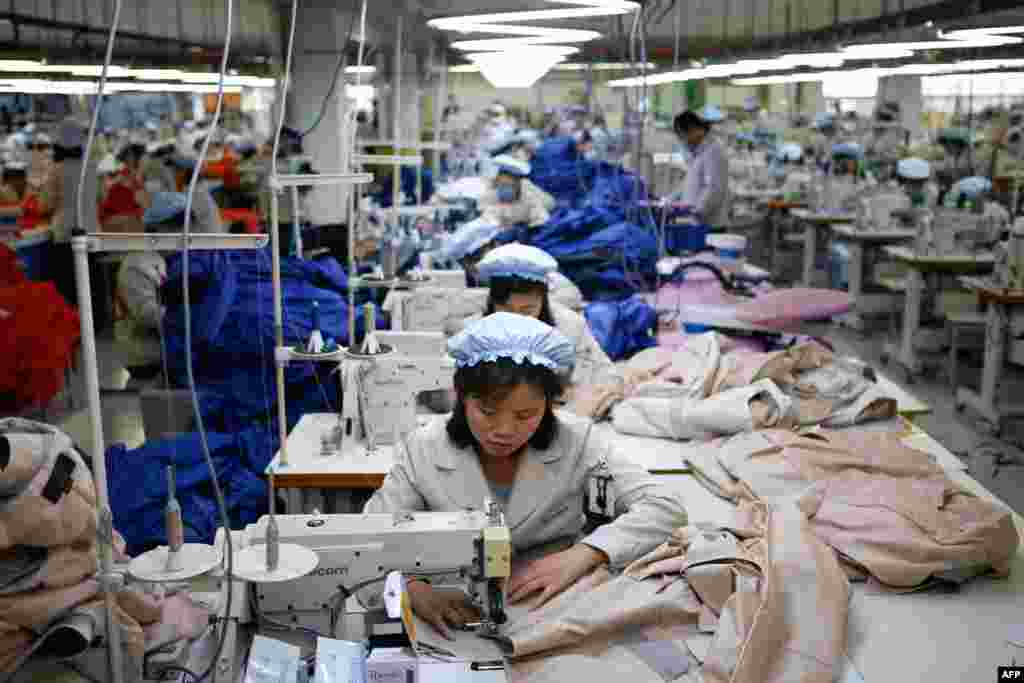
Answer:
x=886 y=507
x=705 y=388
x=41 y=590
x=774 y=596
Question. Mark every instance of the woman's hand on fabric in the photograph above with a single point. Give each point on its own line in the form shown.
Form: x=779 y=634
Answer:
x=551 y=575
x=441 y=608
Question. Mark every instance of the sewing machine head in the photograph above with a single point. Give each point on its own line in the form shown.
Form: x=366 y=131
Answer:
x=470 y=549
x=380 y=389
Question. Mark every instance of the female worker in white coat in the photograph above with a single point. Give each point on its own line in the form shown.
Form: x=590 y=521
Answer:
x=504 y=442
x=512 y=199
x=519 y=279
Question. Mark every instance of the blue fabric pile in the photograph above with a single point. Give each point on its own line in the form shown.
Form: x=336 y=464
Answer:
x=601 y=241
x=233 y=332
x=138 y=487
x=623 y=328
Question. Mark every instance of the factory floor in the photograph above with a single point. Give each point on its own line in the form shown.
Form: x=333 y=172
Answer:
x=962 y=434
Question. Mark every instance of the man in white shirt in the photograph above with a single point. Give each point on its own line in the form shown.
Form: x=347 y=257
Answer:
x=706 y=188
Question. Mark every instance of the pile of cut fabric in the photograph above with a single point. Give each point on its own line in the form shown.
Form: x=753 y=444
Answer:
x=50 y=601
x=233 y=331
x=708 y=388
x=600 y=244
x=759 y=600
x=39 y=332
x=138 y=486
x=762 y=594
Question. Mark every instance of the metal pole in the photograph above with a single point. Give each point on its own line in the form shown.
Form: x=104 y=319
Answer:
x=80 y=248
x=275 y=260
x=396 y=180
x=442 y=104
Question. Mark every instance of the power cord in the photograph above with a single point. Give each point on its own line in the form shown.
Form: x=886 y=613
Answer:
x=342 y=61
x=218 y=493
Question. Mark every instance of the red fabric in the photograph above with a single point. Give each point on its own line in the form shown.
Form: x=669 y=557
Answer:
x=39 y=332
x=11 y=272
x=247 y=216
x=226 y=169
x=122 y=197
x=31 y=212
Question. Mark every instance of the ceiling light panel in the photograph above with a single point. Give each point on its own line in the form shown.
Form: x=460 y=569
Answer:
x=531 y=47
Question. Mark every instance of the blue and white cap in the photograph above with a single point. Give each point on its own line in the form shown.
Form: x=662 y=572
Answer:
x=913 y=169
x=108 y=165
x=519 y=261
x=791 y=152
x=164 y=206
x=469 y=239
x=848 y=150
x=512 y=166
x=824 y=119
x=519 y=338
x=972 y=186
x=711 y=114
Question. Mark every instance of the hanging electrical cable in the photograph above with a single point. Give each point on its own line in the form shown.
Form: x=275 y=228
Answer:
x=342 y=63
x=186 y=301
x=106 y=521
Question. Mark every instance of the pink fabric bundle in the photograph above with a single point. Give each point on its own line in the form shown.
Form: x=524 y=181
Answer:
x=887 y=508
x=49 y=598
x=782 y=308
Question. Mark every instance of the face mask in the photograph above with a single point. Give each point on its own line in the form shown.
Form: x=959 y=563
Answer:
x=918 y=199
x=506 y=194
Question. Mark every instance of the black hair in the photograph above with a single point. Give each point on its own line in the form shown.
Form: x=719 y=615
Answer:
x=61 y=153
x=132 y=151
x=687 y=120
x=498 y=379
x=14 y=173
x=502 y=289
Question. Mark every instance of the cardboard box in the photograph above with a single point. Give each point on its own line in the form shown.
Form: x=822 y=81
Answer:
x=392 y=665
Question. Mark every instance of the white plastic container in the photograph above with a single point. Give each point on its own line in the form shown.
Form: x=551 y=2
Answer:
x=729 y=247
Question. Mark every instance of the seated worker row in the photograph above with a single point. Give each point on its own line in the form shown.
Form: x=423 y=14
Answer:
x=505 y=442
x=474 y=240
x=517 y=277
x=706 y=187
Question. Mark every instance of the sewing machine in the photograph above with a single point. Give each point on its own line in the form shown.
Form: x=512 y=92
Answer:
x=380 y=389
x=470 y=549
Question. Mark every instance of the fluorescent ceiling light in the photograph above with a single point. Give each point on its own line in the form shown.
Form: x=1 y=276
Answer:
x=505 y=70
x=369 y=69
x=519 y=42
x=94 y=71
x=582 y=9
x=37 y=86
x=608 y=66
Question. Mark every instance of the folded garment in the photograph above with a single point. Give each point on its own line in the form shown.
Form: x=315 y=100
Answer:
x=757 y=406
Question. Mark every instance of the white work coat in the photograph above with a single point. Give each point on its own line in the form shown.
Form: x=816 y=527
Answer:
x=546 y=505
x=532 y=208
x=205 y=212
x=138 y=284
x=706 y=187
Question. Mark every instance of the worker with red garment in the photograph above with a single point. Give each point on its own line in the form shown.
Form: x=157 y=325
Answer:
x=125 y=199
x=15 y=192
